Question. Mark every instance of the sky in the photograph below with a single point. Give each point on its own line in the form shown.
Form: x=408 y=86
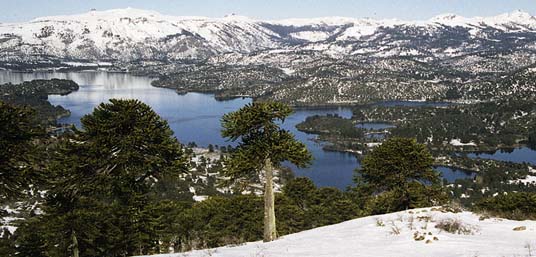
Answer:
x=24 y=10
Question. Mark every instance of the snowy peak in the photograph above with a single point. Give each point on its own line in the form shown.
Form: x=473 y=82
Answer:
x=236 y=17
x=132 y=34
x=515 y=17
x=95 y=15
x=448 y=18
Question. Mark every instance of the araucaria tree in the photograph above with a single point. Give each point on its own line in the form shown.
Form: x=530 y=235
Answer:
x=17 y=132
x=263 y=145
x=106 y=173
x=399 y=175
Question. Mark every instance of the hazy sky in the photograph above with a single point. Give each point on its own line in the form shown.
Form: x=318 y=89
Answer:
x=23 y=10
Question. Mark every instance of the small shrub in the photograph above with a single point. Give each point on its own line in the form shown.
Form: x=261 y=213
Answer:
x=379 y=223
x=418 y=237
x=454 y=226
x=425 y=218
x=521 y=228
x=395 y=230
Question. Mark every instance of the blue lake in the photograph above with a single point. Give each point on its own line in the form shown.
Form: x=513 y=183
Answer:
x=518 y=155
x=196 y=118
x=193 y=117
x=452 y=175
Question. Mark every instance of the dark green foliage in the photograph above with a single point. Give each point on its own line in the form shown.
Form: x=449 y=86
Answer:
x=303 y=206
x=513 y=205
x=17 y=133
x=237 y=219
x=31 y=239
x=489 y=124
x=263 y=144
x=221 y=221
x=532 y=138
x=35 y=94
x=493 y=177
x=7 y=244
x=105 y=180
x=398 y=175
x=261 y=138
x=332 y=125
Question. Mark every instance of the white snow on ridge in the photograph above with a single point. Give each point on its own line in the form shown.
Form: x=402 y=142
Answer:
x=393 y=235
x=458 y=142
x=311 y=36
x=131 y=34
x=530 y=179
x=499 y=21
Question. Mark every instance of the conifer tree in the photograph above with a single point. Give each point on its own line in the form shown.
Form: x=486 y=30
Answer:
x=106 y=174
x=400 y=174
x=17 y=131
x=262 y=145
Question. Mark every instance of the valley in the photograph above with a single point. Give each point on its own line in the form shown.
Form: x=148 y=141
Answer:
x=136 y=132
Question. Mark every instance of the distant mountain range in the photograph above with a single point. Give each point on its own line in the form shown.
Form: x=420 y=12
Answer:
x=128 y=35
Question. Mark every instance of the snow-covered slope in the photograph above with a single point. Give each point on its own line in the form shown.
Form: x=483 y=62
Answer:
x=132 y=34
x=408 y=233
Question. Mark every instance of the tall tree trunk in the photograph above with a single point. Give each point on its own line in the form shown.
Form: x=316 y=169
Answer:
x=270 y=232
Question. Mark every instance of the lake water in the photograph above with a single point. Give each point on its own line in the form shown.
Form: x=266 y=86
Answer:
x=193 y=117
x=196 y=118
x=452 y=175
x=518 y=155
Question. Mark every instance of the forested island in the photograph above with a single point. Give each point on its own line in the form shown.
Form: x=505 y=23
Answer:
x=35 y=94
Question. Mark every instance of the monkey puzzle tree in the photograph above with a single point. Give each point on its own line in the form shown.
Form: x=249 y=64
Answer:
x=400 y=174
x=263 y=145
x=17 y=131
x=105 y=175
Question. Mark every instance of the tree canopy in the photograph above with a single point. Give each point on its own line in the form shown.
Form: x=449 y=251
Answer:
x=17 y=131
x=99 y=201
x=262 y=144
x=399 y=174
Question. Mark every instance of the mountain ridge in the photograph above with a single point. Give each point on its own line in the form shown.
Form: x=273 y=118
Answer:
x=127 y=35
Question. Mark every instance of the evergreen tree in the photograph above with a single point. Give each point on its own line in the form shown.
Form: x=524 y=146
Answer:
x=106 y=174
x=17 y=133
x=263 y=144
x=399 y=173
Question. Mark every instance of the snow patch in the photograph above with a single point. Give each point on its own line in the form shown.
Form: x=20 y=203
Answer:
x=393 y=235
x=458 y=142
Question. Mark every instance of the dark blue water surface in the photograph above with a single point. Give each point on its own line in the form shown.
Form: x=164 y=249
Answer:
x=518 y=155
x=451 y=174
x=193 y=117
x=196 y=118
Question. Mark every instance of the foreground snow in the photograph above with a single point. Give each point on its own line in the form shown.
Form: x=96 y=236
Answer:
x=394 y=235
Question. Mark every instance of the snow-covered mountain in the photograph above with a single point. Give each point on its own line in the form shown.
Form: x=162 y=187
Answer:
x=132 y=34
x=419 y=232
